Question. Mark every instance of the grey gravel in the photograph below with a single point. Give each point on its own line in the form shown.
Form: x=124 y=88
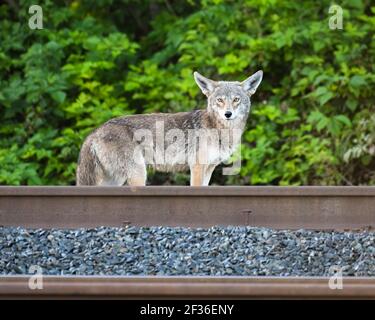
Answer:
x=245 y=251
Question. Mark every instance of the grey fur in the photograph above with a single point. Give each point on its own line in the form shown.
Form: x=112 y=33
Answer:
x=109 y=154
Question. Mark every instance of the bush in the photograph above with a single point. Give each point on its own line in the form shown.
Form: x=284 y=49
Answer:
x=312 y=119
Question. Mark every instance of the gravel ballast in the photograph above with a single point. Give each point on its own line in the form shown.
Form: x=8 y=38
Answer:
x=244 y=251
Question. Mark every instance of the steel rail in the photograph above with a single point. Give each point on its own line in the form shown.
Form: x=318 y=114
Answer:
x=186 y=287
x=332 y=208
x=338 y=208
x=234 y=191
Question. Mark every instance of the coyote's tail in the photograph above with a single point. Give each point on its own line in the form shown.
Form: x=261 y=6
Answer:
x=86 y=169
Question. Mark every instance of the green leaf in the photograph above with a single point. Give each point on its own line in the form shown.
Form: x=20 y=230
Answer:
x=357 y=81
x=352 y=104
x=58 y=96
x=344 y=119
x=323 y=99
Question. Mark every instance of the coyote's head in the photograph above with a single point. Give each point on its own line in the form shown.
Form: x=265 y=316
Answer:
x=229 y=99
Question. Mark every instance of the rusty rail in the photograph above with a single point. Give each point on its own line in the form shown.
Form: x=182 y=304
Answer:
x=185 y=287
x=337 y=208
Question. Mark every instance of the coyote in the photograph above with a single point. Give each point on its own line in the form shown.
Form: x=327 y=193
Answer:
x=121 y=149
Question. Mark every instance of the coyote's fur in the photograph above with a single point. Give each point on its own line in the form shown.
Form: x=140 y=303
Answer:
x=112 y=154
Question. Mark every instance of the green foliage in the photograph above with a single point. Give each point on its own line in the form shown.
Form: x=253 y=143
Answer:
x=312 y=119
x=57 y=85
x=283 y=149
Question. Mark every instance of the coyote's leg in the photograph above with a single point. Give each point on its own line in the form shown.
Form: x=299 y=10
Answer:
x=137 y=176
x=196 y=174
x=200 y=174
x=209 y=169
x=137 y=181
x=105 y=181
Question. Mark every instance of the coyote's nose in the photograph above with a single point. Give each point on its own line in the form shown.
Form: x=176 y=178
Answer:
x=228 y=114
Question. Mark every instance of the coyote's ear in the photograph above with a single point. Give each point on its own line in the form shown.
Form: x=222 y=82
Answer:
x=206 y=85
x=251 y=84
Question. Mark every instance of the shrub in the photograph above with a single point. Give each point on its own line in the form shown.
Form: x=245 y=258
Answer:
x=312 y=119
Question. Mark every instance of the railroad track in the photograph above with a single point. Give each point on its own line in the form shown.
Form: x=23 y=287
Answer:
x=185 y=287
x=321 y=208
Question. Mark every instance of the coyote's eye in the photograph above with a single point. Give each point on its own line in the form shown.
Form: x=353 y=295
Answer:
x=236 y=99
x=220 y=100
